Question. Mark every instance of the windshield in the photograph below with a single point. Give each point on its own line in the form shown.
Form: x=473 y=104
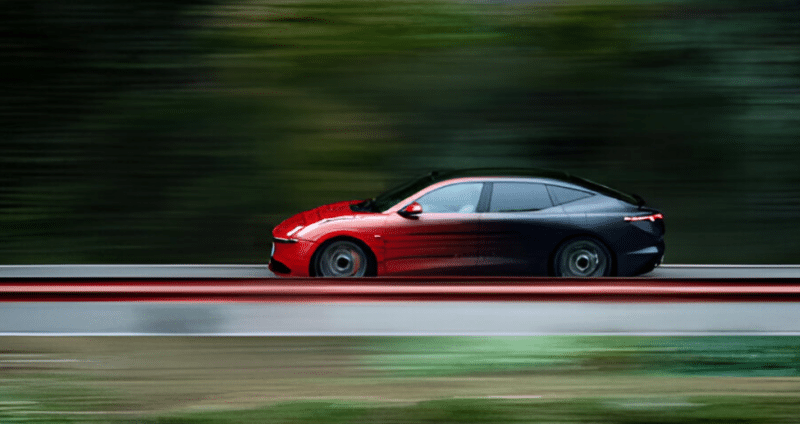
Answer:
x=390 y=197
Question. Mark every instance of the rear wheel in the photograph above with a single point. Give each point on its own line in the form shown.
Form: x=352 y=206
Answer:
x=341 y=258
x=583 y=257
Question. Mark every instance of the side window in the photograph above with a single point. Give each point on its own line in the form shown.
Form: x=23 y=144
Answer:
x=519 y=197
x=456 y=198
x=563 y=195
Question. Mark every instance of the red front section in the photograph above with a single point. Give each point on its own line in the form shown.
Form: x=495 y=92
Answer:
x=433 y=244
x=296 y=239
x=426 y=244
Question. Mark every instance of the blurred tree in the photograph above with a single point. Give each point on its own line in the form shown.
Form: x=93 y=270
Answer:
x=181 y=131
x=65 y=178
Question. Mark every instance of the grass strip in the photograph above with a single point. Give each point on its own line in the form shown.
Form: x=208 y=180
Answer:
x=610 y=410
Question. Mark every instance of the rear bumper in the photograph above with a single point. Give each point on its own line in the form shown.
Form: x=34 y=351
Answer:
x=640 y=261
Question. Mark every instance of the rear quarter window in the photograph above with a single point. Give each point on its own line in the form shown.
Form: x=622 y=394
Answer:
x=563 y=195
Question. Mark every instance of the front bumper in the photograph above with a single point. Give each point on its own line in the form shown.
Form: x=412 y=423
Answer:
x=291 y=258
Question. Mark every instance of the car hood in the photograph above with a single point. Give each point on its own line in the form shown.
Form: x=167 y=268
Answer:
x=333 y=210
x=324 y=212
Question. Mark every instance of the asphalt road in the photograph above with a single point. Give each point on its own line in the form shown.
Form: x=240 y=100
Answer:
x=398 y=318
x=261 y=271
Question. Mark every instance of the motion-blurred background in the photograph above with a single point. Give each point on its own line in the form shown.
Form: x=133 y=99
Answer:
x=183 y=131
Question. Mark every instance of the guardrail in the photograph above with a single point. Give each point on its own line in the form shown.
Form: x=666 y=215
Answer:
x=400 y=289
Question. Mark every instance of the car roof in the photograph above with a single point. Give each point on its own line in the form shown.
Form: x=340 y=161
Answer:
x=443 y=175
x=449 y=174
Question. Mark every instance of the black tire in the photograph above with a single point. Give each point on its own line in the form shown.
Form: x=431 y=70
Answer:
x=342 y=258
x=582 y=257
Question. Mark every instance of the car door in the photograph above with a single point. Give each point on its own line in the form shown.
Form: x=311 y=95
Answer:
x=520 y=229
x=441 y=240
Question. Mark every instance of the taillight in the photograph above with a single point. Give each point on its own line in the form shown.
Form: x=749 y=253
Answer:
x=650 y=218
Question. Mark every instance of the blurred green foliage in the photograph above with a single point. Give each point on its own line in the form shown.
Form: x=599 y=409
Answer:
x=728 y=356
x=694 y=410
x=547 y=379
x=182 y=131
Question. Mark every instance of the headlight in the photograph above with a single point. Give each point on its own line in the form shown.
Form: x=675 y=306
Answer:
x=294 y=230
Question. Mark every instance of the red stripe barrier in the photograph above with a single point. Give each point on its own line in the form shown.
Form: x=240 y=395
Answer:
x=401 y=289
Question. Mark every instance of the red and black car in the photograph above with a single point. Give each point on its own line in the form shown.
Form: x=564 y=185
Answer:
x=476 y=222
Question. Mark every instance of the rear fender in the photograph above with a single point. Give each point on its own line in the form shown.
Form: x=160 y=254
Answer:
x=551 y=260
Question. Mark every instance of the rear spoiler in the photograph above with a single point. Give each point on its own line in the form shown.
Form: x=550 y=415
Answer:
x=639 y=200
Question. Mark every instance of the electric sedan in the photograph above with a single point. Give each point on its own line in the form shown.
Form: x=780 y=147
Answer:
x=476 y=222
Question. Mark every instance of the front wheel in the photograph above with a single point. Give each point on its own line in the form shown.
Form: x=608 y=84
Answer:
x=341 y=258
x=583 y=257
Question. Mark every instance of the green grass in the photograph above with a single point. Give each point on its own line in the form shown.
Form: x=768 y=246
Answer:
x=574 y=379
x=632 y=410
x=733 y=356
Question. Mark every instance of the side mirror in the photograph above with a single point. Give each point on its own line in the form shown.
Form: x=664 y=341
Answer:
x=411 y=210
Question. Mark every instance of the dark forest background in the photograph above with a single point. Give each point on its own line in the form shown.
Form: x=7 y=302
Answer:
x=183 y=131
